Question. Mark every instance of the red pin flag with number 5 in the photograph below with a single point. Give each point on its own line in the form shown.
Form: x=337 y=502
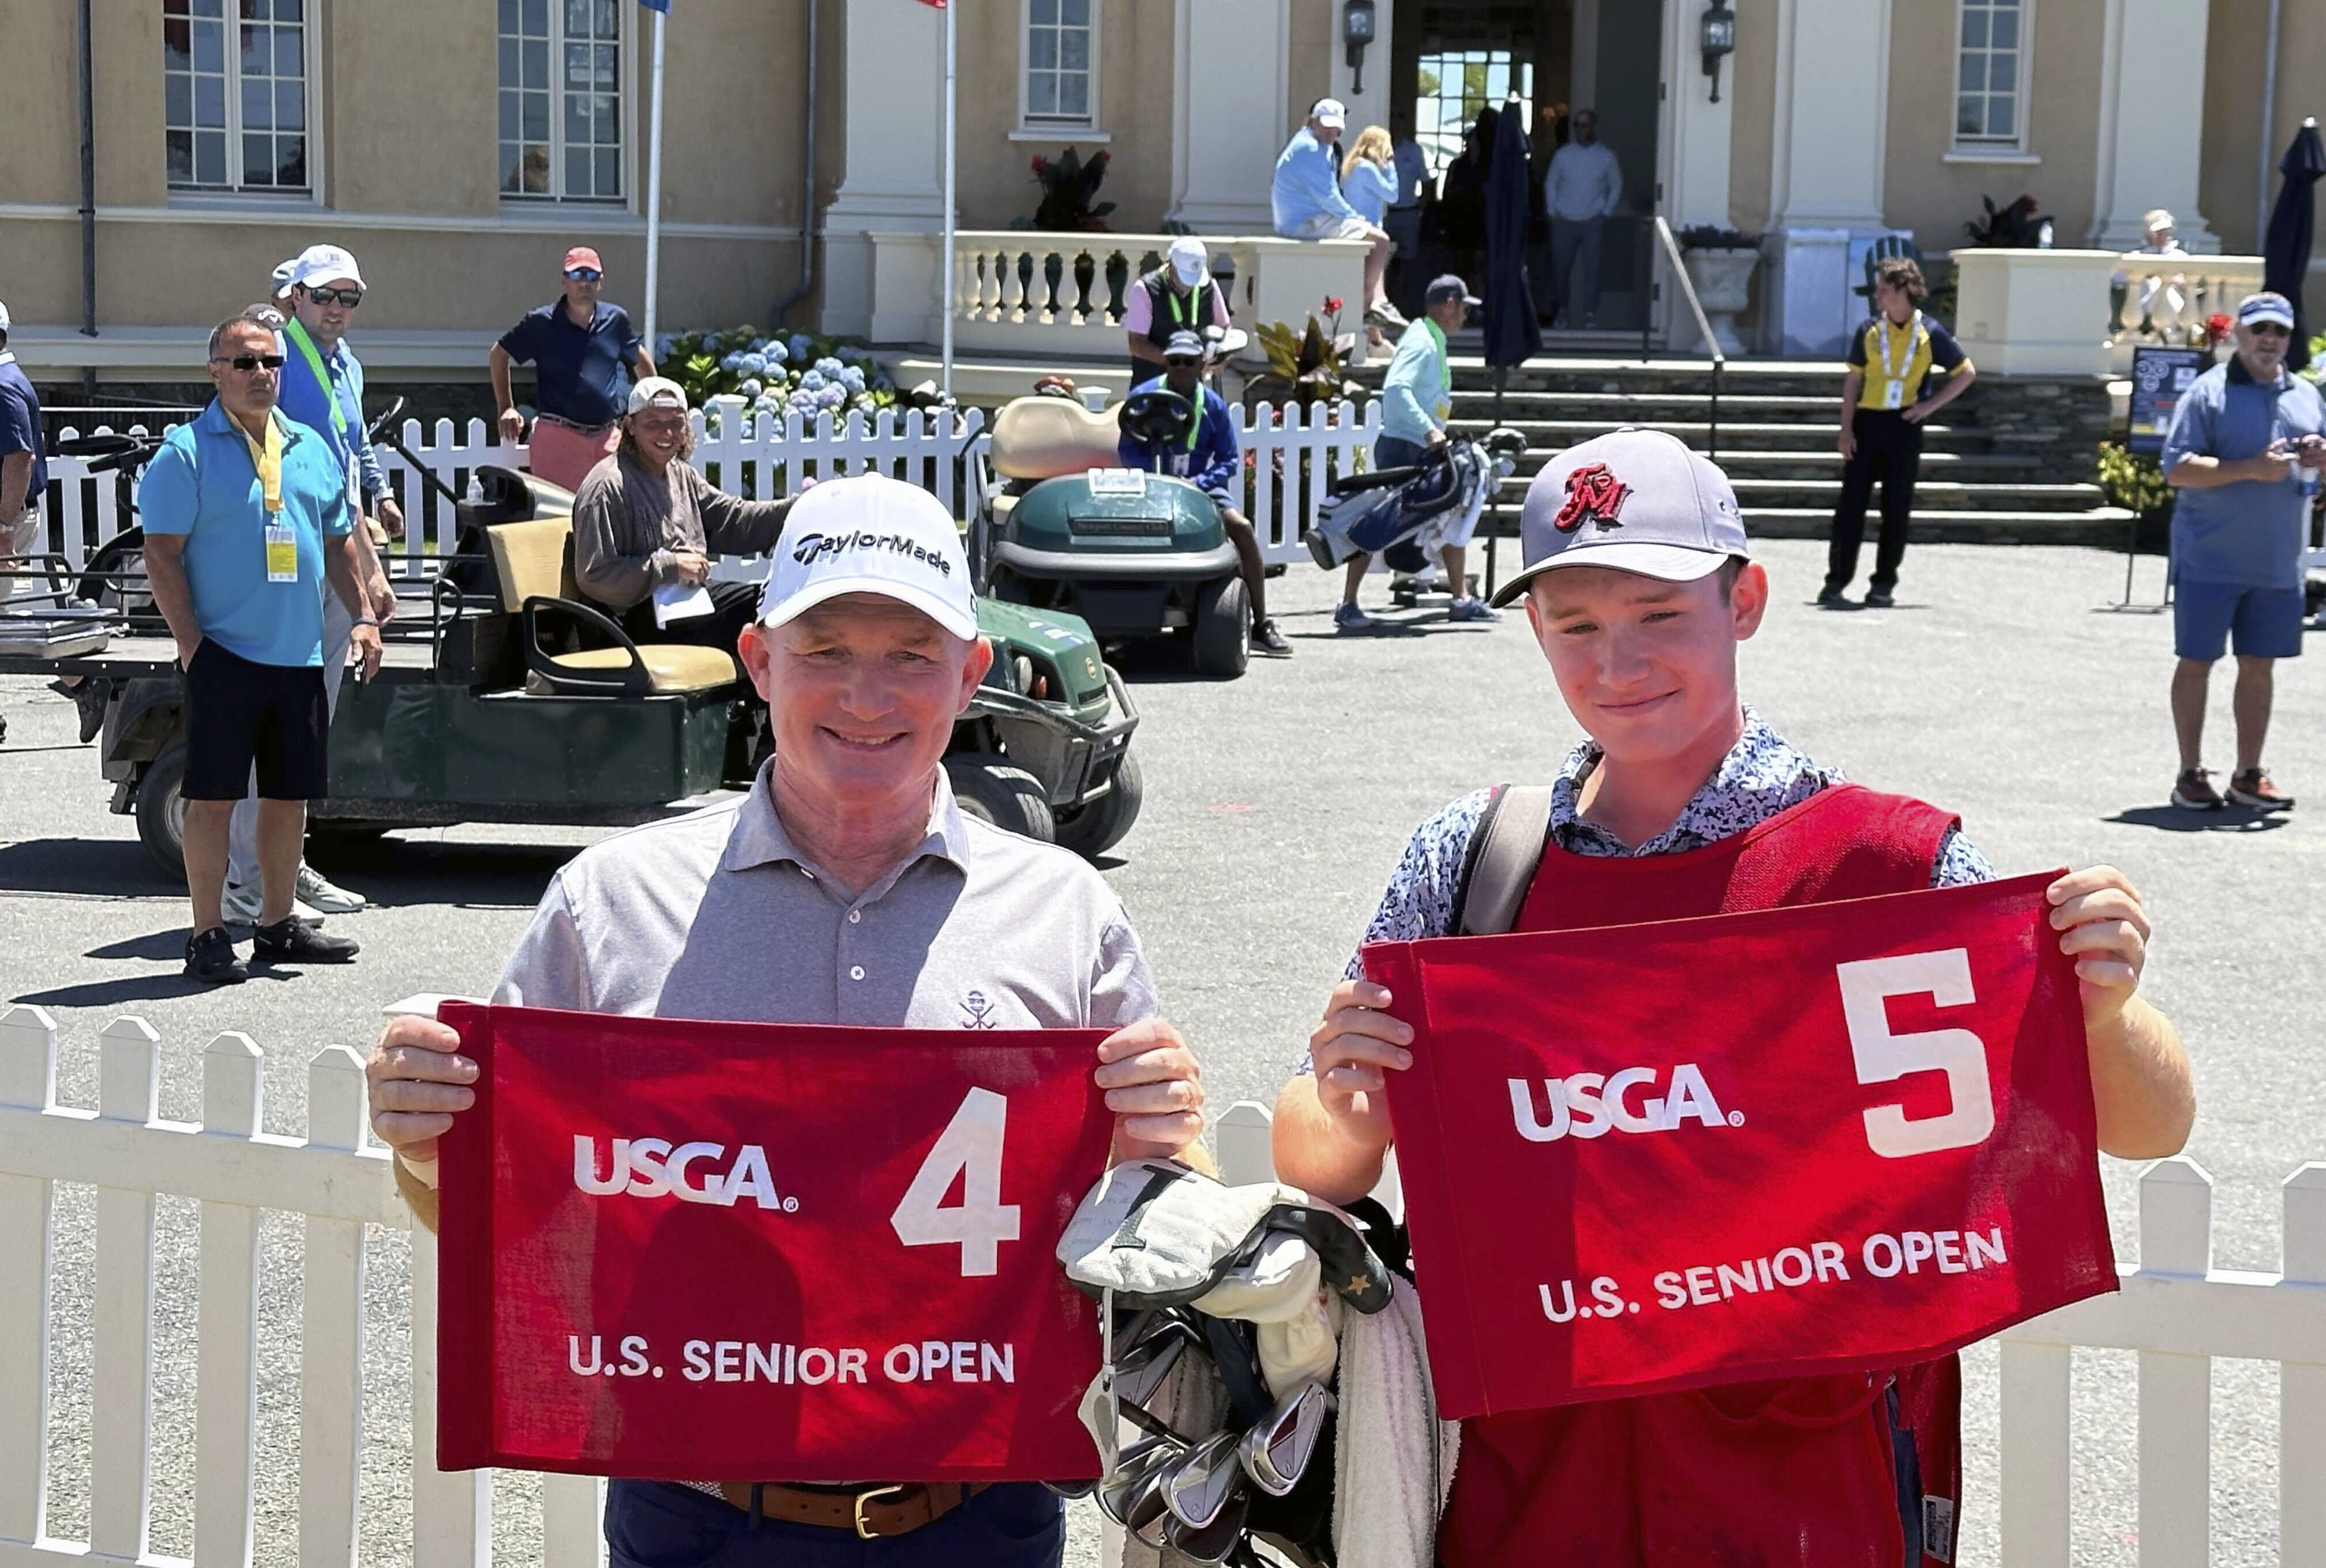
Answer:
x=689 y=1251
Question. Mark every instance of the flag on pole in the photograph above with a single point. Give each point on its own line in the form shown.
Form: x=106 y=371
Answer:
x=938 y=4
x=661 y=6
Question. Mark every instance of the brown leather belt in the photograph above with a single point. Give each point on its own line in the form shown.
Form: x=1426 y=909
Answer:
x=874 y=1514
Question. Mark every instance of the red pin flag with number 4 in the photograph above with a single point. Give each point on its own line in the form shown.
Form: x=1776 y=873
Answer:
x=686 y=1251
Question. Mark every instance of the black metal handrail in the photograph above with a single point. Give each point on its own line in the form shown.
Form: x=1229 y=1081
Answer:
x=1704 y=330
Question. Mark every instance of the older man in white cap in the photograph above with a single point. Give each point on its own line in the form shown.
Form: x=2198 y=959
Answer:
x=2242 y=455
x=646 y=523
x=846 y=888
x=1306 y=202
x=1180 y=296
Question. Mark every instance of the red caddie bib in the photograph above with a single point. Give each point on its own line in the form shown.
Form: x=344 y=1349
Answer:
x=1854 y=1466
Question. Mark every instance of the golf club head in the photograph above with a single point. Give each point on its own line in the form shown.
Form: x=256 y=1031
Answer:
x=1276 y=1452
x=1214 y=1541
x=1137 y=1467
x=1196 y=1488
x=1141 y=1370
x=1147 y=1516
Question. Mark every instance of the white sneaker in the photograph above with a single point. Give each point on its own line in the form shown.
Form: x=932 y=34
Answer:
x=317 y=893
x=242 y=905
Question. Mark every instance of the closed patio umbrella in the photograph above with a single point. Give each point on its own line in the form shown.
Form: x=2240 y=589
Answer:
x=1514 y=333
x=2293 y=224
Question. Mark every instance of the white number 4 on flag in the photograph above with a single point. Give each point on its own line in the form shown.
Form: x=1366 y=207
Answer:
x=970 y=1148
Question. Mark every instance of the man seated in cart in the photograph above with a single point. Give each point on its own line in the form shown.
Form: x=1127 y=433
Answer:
x=645 y=525
x=1209 y=459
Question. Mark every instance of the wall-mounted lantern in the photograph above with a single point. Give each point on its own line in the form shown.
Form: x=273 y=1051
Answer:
x=1718 y=34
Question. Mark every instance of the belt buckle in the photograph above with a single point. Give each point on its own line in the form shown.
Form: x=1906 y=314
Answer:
x=864 y=1532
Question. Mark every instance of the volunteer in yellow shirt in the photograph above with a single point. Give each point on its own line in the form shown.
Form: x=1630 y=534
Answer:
x=1894 y=361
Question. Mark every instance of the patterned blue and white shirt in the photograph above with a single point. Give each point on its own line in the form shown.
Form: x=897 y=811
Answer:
x=1763 y=774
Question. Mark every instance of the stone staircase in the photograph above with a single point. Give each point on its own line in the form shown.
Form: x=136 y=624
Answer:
x=1990 y=474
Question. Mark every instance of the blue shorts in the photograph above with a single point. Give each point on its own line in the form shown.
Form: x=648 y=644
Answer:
x=2258 y=622
x=659 y=1525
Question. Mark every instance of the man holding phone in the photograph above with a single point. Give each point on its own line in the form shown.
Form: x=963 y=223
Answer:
x=246 y=521
x=2247 y=442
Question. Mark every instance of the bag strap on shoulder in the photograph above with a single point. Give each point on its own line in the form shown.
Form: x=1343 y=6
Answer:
x=1504 y=851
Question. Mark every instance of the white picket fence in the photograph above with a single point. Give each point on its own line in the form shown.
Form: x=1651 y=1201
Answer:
x=2175 y=1310
x=1291 y=455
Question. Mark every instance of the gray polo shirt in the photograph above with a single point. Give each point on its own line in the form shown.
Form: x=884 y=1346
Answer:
x=717 y=915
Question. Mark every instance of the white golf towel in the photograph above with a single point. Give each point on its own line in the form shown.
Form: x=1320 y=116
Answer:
x=1393 y=1465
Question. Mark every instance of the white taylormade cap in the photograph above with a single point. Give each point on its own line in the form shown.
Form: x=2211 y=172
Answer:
x=1190 y=262
x=4 y=318
x=285 y=275
x=1634 y=500
x=1330 y=112
x=870 y=534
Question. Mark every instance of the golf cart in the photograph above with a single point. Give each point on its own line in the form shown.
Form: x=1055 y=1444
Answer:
x=1135 y=555
x=502 y=697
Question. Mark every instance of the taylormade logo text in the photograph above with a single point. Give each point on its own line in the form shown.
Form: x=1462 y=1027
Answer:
x=692 y=1172
x=816 y=546
x=1589 y=1105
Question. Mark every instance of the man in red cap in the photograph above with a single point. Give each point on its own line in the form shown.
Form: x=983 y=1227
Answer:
x=580 y=346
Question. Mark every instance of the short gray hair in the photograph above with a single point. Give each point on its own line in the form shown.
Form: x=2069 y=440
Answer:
x=219 y=333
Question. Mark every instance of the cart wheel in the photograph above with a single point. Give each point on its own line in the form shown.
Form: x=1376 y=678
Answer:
x=1099 y=826
x=994 y=789
x=1223 y=630
x=161 y=811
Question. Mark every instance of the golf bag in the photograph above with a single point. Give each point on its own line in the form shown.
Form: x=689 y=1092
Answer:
x=1223 y=1308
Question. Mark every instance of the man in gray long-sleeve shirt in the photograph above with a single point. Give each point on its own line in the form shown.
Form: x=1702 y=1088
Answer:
x=645 y=525
x=1580 y=190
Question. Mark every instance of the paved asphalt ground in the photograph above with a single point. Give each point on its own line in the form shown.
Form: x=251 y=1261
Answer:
x=1276 y=807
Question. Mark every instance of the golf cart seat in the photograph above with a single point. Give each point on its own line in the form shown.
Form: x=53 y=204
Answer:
x=1044 y=437
x=533 y=563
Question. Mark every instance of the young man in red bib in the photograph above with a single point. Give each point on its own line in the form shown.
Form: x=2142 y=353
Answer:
x=1685 y=802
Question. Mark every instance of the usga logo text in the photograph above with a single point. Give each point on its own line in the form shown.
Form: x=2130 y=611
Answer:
x=692 y=1173
x=1589 y=1105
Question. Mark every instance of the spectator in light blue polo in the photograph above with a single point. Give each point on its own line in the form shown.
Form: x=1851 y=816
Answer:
x=246 y=524
x=1416 y=399
x=1308 y=204
x=2247 y=442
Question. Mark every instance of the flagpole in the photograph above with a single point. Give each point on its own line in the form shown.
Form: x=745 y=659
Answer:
x=945 y=305
x=654 y=185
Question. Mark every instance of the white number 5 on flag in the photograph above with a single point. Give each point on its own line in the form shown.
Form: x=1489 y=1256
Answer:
x=970 y=1147
x=1883 y=1057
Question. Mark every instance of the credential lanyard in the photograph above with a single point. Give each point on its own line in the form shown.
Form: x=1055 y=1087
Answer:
x=1913 y=330
x=307 y=350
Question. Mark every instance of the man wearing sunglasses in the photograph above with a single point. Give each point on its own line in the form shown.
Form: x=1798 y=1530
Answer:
x=2244 y=450
x=246 y=529
x=580 y=346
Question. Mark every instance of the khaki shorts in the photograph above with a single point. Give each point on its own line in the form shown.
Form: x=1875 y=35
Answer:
x=1328 y=226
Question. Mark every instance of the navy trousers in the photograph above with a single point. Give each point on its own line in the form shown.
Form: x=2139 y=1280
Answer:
x=658 y=1525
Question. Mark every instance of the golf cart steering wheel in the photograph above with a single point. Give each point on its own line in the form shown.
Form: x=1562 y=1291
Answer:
x=1158 y=416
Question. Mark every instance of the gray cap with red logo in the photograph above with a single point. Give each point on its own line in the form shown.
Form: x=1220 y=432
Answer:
x=1631 y=501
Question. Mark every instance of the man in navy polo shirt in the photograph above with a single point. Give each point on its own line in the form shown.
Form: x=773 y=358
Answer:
x=246 y=529
x=580 y=346
x=2247 y=442
x=23 y=473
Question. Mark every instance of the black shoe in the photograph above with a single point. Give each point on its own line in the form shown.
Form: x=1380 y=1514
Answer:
x=292 y=941
x=1879 y=599
x=1833 y=599
x=211 y=958
x=89 y=698
x=1267 y=639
